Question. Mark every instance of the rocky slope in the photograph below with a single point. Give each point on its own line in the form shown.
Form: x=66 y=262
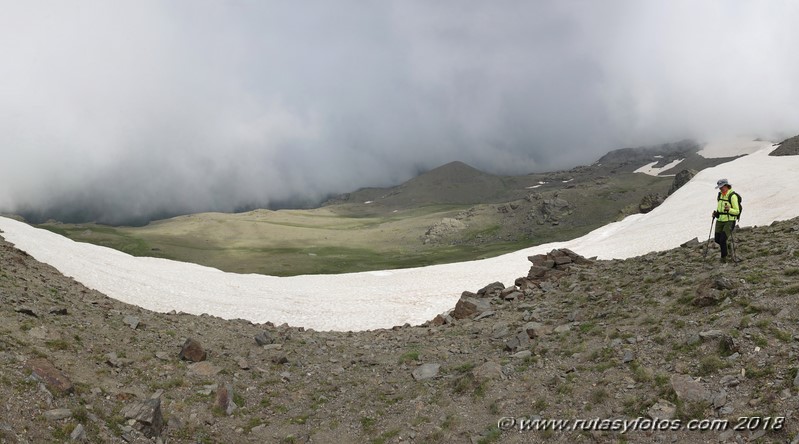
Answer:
x=665 y=335
x=534 y=208
x=788 y=147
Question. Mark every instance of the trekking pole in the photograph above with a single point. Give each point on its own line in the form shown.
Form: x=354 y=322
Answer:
x=732 y=245
x=707 y=245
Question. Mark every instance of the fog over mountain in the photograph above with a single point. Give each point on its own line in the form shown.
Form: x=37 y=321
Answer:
x=127 y=110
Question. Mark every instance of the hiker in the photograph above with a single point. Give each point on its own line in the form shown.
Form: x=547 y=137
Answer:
x=728 y=209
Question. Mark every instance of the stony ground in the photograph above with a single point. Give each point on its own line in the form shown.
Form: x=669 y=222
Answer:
x=666 y=335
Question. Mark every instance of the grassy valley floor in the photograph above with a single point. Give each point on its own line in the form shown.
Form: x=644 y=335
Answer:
x=381 y=234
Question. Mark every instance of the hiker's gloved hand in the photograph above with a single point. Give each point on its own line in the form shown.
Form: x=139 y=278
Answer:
x=715 y=214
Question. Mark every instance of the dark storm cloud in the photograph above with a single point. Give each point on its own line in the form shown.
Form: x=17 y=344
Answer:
x=123 y=111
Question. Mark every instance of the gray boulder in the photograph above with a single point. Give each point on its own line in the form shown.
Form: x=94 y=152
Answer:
x=662 y=410
x=491 y=290
x=488 y=371
x=147 y=416
x=537 y=329
x=468 y=307
x=689 y=390
x=426 y=371
x=264 y=338
x=518 y=342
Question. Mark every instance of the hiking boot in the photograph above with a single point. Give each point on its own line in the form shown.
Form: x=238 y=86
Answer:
x=724 y=260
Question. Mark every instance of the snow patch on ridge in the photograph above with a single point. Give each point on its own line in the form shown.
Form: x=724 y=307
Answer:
x=651 y=170
x=733 y=147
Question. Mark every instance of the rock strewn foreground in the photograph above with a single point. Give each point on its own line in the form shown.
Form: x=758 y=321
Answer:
x=658 y=336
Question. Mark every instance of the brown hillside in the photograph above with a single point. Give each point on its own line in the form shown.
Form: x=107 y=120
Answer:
x=664 y=335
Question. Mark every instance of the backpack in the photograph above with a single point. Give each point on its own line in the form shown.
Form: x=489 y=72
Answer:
x=740 y=203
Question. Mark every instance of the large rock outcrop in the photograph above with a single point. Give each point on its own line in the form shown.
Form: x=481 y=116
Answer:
x=681 y=179
x=550 y=267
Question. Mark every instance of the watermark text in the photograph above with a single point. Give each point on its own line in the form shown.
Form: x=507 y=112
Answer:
x=742 y=423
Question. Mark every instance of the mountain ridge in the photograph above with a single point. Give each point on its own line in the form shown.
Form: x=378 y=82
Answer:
x=483 y=187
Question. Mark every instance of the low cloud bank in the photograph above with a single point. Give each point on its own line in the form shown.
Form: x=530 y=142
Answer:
x=127 y=112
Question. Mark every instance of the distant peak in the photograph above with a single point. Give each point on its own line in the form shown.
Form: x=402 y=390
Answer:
x=456 y=165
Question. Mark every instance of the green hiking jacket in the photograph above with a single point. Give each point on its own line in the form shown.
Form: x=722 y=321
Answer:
x=735 y=206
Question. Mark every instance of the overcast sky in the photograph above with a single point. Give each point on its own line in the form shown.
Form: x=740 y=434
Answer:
x=124 y=109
